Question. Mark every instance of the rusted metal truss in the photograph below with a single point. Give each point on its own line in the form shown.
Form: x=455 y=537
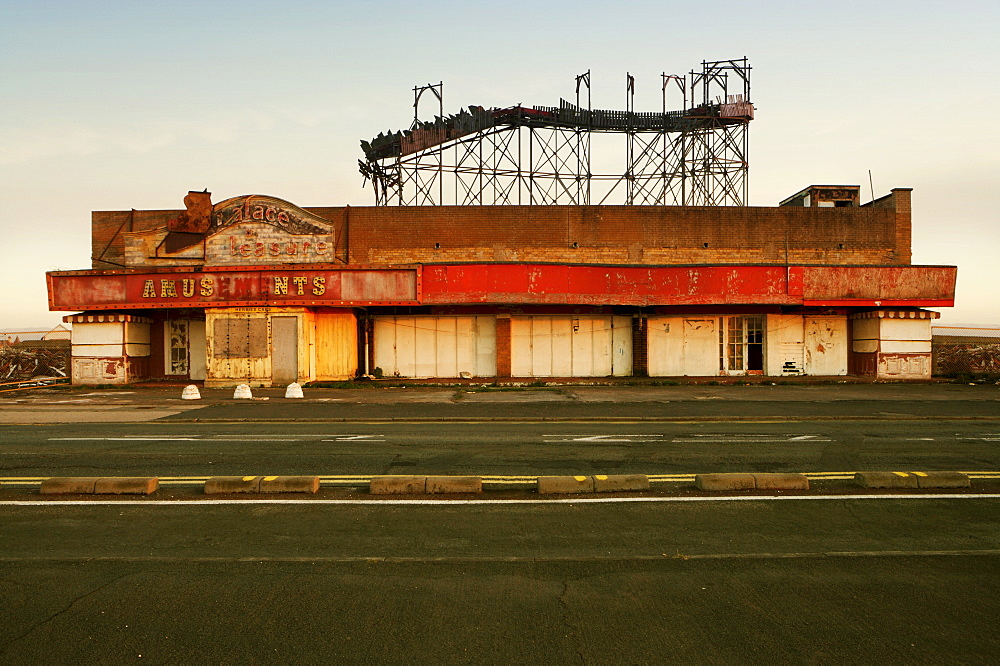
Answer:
x=547 y=155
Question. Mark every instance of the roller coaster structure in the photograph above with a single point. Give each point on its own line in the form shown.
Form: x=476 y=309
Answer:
x=542 y=155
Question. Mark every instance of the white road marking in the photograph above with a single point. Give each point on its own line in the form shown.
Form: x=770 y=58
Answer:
x=357 y=438
x=747 y=439
x=599 y=438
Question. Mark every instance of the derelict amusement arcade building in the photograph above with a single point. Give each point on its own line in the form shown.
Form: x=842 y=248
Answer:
x=255 y=289
x=496 y=262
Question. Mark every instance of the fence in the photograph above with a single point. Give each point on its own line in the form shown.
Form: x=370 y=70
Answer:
x=961 y=355
x=26 y=360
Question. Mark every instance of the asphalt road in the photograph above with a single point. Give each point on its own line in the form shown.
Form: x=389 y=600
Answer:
x=831 y=577
x=842 y=580
x=496 y=448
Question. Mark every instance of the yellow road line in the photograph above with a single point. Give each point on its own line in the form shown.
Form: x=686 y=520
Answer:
x=498 y=479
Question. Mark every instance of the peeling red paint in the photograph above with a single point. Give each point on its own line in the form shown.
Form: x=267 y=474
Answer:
x=486 y=283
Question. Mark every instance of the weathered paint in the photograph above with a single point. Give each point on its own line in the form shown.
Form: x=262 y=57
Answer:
x=224 y=288
x=468 y=284
x=892 y=345
x=833 y=285
x=688 y=285
x=336 y=345
x=825 y=345
x=248 y=357
x=605 y=285
x=904 y=366
x=784 y=345
x=682 y=346
x=109 y=370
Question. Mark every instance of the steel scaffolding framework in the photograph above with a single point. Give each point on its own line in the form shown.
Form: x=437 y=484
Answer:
x=542 y=155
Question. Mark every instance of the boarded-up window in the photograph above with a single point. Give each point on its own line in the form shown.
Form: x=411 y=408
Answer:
x=240 y=338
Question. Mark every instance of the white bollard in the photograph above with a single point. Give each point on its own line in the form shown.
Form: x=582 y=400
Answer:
x=243 y=392
x=293 y=391
x=190 y=393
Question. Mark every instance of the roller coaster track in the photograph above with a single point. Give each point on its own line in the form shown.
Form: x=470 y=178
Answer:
x=566 y=116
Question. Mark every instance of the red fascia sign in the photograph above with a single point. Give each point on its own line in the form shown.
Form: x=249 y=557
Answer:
x=470 y=284
x=225 y=288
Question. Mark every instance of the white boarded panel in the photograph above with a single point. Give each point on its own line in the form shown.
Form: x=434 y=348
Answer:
x=906 y=347
x=541 y=346
x=425 y=347
x=826 y=345
x=665 y=346
x=602 y=346
x=446 y=344
x=197 y=357
x=99 y=334
x=520 y=347
x=904 y=329
x=621 y=346
x=431 y=346
x=571 y=346
x=465 y=346
x=385 y=345
x=701 y=347
x=97 y=351
x=138 y=332
x=137 y=350
x=582 y=354
x=783 y=339
x=561 y=356
x=485 y=335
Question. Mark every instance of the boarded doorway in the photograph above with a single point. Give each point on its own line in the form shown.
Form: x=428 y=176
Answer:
x=284 y=350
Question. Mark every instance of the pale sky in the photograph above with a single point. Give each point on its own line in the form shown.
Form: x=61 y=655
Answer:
x=119 y=105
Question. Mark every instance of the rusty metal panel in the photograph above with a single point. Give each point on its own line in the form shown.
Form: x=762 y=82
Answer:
x=231 y=338
x=228 y=287
x=240 y=337
x=607 y=285
x=198 y=216
x=933 y=285
x=509 y=283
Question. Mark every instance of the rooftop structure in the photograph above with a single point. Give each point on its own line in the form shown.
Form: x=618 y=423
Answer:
x=542 y=155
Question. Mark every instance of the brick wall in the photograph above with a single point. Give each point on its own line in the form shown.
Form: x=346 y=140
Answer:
x=874 y=234
x=629 y=234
